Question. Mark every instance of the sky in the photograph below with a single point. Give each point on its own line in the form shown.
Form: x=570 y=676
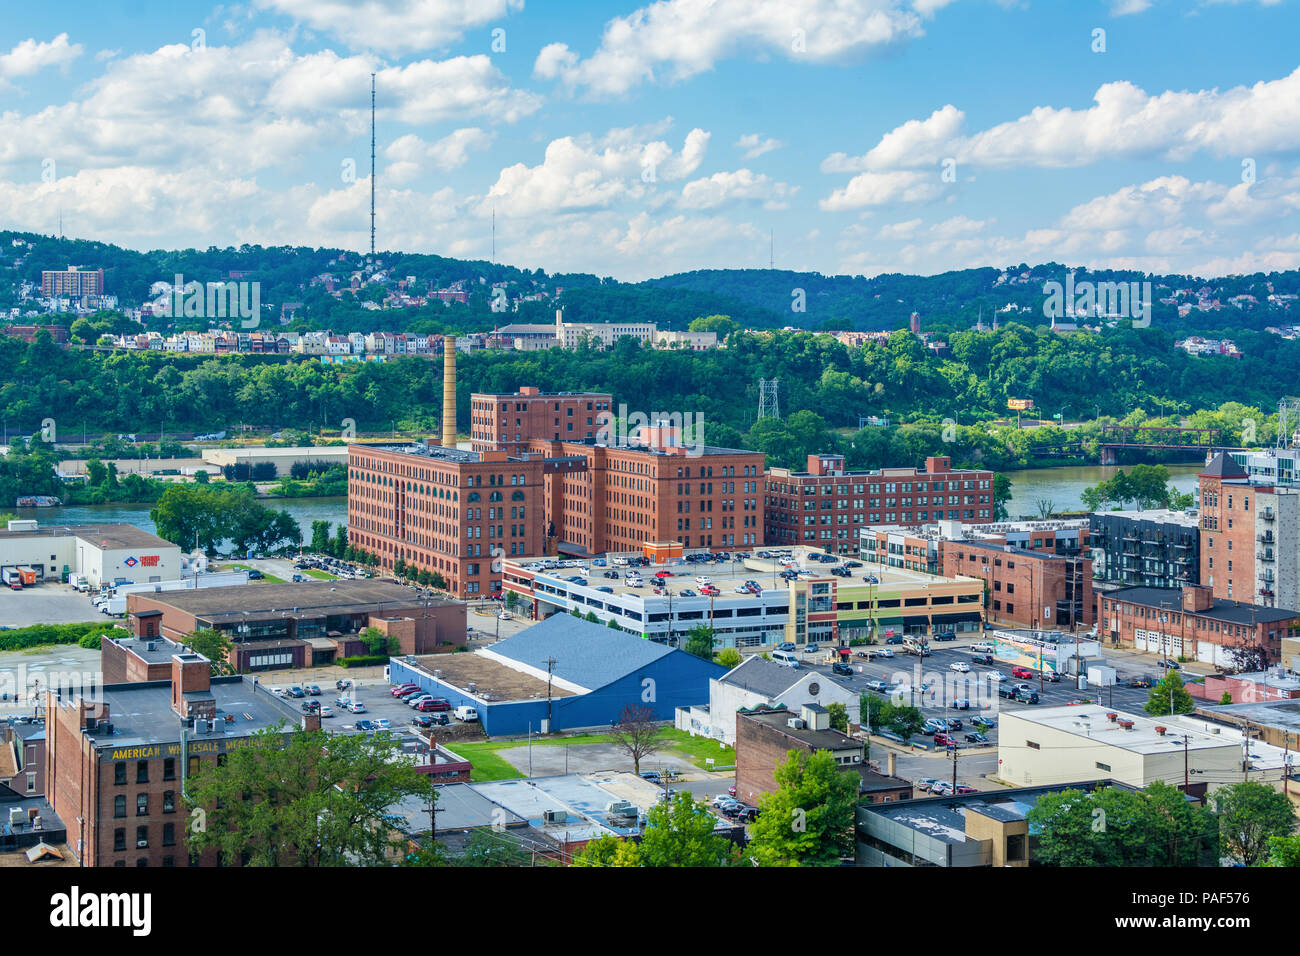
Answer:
x=637 y=140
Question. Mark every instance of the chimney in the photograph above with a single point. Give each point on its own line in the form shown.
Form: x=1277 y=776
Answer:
x=1197 y=597
x=191 y=674
x=893 y=764
x=449 y=391
x=937 y=464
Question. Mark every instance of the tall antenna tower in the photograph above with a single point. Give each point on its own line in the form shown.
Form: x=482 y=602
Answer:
x=769 y=399
x=1288 y=423
x=372 y=164
x=494 y=234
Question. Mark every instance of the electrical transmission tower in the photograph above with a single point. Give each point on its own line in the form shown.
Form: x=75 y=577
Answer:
x=1288 y=422
x=769 y=398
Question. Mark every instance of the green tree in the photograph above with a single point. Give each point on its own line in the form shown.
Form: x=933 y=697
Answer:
x=839 y=716
x=1157 y=704
x=487 y=847
x=729 y=657
x=808 y=820
x=1226 y=698
x=214 y=645
x=1113 y=827
x=680 y=833
x=378 y=643
x=904 y=720
x=637 y=734
x=699 y=641
x=872 y=710
x=1283 y=851
x=303 y=798
x=320 y=537
x=1250 y=815
x=609 y=850
x=1001 y=496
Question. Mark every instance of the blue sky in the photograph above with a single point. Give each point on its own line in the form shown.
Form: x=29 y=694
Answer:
x=638 y=140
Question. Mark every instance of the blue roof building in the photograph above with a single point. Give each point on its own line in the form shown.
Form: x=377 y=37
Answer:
x=578 y=673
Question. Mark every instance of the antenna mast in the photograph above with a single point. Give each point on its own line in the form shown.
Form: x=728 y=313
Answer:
x=372 y=164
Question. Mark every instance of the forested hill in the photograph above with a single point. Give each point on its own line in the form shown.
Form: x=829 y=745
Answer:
x=754 y=298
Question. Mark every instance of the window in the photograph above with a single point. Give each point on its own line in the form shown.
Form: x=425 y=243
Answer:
x=1103 y=766
x=169 y=834
x=119 y=806
x=1032 y=746
x=169 y=768
x=141 y=836
x=119 y=774
x=119 y=838
x=1016 y=846
x=142 y=805
x=169 y=801
x=142 y=771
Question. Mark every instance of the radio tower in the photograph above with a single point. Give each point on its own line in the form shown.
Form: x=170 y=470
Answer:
x=769 y=401
x=372 y=164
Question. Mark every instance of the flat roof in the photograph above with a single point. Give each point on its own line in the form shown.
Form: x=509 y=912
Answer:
x=1155 y=515
x=161 y=652
x=1089 y=721
x=580 y=802
x=494 y=680
x=1283 y=714
x=818 y=739
x=1171 y=599
x=104 y=535
x=296 y=599
x=141 y=713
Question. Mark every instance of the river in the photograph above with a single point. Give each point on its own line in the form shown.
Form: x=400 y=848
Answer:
x=303 y=510
x=1064 y=486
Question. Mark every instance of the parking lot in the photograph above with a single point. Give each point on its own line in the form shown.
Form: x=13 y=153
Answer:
x=47 y=603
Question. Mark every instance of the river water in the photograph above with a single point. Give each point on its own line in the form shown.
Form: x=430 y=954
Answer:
x=1062 y=486
x=303 y=510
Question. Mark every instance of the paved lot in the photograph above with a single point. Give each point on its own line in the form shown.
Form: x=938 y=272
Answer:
x=588 y=758
x=25 y=674
x=48 y=603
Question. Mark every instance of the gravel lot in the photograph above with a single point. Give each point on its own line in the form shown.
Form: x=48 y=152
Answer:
x=47 y=603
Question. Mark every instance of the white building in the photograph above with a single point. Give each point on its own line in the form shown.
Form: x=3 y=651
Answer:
x=102 y=553
x=757 y=682
x=1051 y=745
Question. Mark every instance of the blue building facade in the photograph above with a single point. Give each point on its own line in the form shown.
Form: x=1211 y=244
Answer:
x=612 y=669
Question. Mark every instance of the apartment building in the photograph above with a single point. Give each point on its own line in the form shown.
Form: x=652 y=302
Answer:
x=1250 y=536
x=446 y=510
x=72 y=282
x=509 y=421
x=827 y=506
x=1033 y=589
x=1155 y=548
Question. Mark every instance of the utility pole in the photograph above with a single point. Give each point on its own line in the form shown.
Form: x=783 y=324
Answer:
x=550 y=664
x=1286 y=763
x=953 y=748
x=372 y=164
x=1245 y=741
x=1186 y=772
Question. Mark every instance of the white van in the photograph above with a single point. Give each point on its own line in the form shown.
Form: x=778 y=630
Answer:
x=786 y=658
x=703 y=580
x=465 y=713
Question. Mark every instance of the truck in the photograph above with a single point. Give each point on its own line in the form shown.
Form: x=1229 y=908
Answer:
x=12 y=578
x=79 y=582
x=28 y=574
x=114 y=605
x=916 y=645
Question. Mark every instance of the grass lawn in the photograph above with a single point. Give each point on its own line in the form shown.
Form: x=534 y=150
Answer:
x=268 y=578
x=321 y=575
x=489 y=765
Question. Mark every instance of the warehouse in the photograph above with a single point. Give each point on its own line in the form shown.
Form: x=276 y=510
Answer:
x=580 y=674
x=102 y=553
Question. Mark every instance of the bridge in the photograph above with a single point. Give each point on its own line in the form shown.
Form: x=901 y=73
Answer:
x=1196 y=442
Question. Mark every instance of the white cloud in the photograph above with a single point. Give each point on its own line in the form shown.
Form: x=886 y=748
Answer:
x=395 y=26
x=582 y=173
x=755 y=145
x=879 y=189
x=31 y=56
x=410 y=155
x=743 y=184
x=672 y=40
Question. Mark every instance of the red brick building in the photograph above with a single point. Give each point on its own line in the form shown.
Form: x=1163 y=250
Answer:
x=72 y=282
x=826 y=506
x=602 y=498
x=1192 y=623
x=1031 y=589
x=507 y=422
x=115 y=767
x=445 y=510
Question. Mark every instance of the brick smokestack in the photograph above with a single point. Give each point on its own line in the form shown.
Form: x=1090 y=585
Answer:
x=449 y=391
x=191 y=674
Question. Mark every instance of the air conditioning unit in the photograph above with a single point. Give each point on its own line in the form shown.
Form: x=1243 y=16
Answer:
x=15 y=816
x=201 y=726
x=141 y=843
x=795 y=723
x=106 y=727
x=554 y=816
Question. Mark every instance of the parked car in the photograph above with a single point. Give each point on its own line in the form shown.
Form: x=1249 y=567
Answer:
x=748 y=814
x=466 y=714
x=1138 y=682
x=954 y=723
x=431 y=704
x=933 y=726
x=278 y=692
x=310 y=706
x=976 y=737
x=1021 y=672
x=879 y=686
x=357 y=707
x=942 y=788
x=651 y=775
x=995 y=677
x=342 y=684
x=312 y=690
x=731 y=790
x=961 y=703
x=1172 y=665
x=255 y=575
x=296 y=692
x=984 y=659
x=416 y=699
x=785 y=646
x=811 y=648
x=421 y=720
x=961 y=667
x=401 y=689
x=945 y=739
x=383 y=723
x=925 y=784
x=946 y=636
x=896 y=639
x=982 y=721
x=1026 y=696
x=326 y=711
x=364 y=725
x=839 y=667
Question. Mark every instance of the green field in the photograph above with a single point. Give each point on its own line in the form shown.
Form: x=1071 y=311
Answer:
x=489 y=765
